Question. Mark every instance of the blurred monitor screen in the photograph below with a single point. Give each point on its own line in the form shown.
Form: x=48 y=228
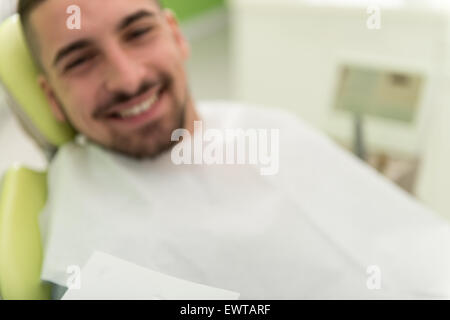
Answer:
x=380 y=93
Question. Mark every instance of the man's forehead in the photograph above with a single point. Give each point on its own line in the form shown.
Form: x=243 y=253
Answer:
x=55 y=13
x=49 y=20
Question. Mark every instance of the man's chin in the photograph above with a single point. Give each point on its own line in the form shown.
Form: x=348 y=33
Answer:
x=146 y=149
x=150 y=152
x=151 y=140
x=147 y=143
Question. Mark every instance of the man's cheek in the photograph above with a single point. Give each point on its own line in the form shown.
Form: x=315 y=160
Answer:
x=83 y=119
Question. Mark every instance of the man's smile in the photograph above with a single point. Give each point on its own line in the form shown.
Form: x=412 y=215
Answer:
x=138 y=109
x=143 y=109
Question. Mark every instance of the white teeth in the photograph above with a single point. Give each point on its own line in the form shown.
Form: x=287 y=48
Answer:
x=140 y=108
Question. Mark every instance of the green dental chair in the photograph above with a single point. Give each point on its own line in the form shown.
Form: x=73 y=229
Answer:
x=23 y=191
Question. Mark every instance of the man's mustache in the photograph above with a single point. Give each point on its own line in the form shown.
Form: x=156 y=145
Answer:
x=123 y=97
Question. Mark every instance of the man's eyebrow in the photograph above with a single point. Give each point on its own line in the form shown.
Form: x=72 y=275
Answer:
x=81 y=44
x=74 y=46
x=134 y=17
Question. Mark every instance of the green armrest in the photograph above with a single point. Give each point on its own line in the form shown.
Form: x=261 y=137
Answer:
x=23 y=196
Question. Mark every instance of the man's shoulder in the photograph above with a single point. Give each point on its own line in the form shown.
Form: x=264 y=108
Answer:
x=240 y=114
x=80 y=159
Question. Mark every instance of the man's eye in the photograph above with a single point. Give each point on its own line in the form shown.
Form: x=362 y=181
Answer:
x=78 y=62
x=138 y=33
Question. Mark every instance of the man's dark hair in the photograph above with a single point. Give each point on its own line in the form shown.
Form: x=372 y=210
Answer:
x=25 y=8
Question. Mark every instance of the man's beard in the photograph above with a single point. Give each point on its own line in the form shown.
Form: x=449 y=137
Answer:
x=153 y=139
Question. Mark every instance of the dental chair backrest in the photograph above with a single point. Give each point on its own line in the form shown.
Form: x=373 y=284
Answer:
x=18 y=76
x=23 y=192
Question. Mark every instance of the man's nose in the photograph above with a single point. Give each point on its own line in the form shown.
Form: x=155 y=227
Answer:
x=123 y=73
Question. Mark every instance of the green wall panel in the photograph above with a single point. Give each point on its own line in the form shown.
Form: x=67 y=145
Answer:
x=186 y=9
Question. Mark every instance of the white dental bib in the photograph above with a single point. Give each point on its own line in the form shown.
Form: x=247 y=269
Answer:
x=314 y=230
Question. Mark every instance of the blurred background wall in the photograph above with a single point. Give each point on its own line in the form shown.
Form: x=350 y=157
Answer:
x=316 y=58
x=291 y=53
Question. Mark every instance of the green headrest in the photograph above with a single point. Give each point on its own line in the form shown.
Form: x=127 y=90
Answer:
x=18 y=75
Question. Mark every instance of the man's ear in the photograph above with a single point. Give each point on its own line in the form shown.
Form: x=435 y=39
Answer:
x=55 y=106
x=179 y=37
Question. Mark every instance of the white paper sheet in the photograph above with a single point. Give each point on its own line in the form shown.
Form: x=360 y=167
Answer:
x=105 y=277
x=310 y=232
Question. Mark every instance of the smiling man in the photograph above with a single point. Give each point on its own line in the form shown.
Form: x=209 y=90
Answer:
x=310 y=231
x=120 y=80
